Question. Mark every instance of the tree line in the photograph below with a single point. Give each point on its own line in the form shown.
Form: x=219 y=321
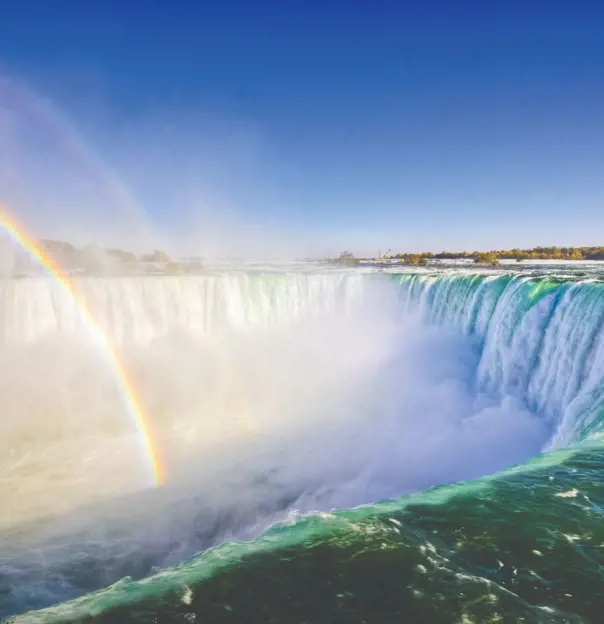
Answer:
x=493 y=257
x=95 y=260
x=487 y=257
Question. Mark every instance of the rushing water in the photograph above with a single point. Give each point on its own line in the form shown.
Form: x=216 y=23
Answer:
x=280 y=394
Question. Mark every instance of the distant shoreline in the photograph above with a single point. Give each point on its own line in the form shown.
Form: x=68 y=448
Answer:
x=490 y=258
x=94 y=261
x=258 y=267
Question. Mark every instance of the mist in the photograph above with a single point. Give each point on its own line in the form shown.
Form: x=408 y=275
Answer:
x=189 y=182
x=267 y=395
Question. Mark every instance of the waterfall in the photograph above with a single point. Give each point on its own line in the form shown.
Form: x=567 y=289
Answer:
x=138 y=310
x=540 y=340
x=268 y=392
x=208 y=357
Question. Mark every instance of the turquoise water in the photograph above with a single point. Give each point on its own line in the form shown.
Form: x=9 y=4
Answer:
x=525 y=544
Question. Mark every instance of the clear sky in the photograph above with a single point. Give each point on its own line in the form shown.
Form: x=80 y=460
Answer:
x=361 y=125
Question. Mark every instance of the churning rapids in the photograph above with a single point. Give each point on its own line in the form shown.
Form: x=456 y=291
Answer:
x=277 y=397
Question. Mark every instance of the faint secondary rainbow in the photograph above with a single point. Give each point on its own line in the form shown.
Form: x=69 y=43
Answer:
x=31 y=108
x=148 y=447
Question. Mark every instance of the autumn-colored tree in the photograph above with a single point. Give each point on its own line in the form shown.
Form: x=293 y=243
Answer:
x=487 y=258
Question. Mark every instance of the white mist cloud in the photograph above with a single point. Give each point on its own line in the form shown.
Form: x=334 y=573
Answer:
x=265 y=395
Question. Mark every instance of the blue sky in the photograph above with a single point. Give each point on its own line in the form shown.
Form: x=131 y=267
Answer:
x=364 y=125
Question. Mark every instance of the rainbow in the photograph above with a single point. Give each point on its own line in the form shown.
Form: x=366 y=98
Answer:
x=148 y=447
x=33 y=108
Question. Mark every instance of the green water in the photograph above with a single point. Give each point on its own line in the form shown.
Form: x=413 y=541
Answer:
x=527 y=544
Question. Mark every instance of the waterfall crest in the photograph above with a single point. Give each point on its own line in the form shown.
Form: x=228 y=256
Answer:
x=540 y=340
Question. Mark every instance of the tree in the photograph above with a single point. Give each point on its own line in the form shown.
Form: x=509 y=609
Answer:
x=121 y=255
x=487 y=258
x=345 y=258
x=64 y=254
x=415 y=259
